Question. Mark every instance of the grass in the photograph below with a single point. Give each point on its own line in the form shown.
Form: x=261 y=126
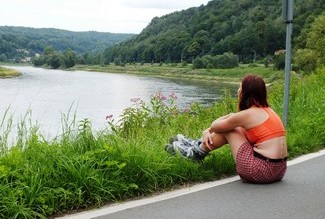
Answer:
x=179 y=71
x=8 y=73
x=84 y=168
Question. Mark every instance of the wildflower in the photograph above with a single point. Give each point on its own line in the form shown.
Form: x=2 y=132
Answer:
x=173 y=95
x=110 y=116
x=135 y=100
x=159 y=96
x=186 y=110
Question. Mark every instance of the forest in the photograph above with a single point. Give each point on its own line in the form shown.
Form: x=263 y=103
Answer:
x=19 y=44
x=208 y=36
x=250 y=29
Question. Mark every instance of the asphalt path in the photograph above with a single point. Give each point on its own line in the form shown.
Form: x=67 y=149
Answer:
x=300 y=194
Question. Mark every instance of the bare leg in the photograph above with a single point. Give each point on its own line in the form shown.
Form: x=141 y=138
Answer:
x=218 y=140
x=235 y=138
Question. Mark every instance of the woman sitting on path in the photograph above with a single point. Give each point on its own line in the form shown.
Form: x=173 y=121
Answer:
x=255 y=133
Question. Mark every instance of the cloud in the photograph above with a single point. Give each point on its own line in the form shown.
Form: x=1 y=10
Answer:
x=158 y=4
x=116 y=16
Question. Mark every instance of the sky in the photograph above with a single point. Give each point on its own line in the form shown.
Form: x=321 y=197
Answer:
x=115 y=16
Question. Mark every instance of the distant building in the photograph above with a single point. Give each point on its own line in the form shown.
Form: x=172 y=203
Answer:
x=280 y=52
x=26 y=59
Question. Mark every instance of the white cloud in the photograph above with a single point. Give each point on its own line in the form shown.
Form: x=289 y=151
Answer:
x=116 y=16
x=159 y=4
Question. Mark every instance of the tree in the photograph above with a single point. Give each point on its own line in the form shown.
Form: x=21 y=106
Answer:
x=309 y=58
x=194 y=49
x=55 y=60
x=3 y=58
x=49 y=50
x=240 y=27
x=316 y=39
x=69 y=58
x=203 y=39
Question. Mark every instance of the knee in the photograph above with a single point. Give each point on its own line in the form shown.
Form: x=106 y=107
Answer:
x=238 y=131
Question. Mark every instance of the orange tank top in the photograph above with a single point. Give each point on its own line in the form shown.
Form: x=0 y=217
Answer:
x=271 y=128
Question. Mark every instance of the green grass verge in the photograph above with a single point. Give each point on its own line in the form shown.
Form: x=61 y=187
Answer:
x=83 y=169
x=179 y=71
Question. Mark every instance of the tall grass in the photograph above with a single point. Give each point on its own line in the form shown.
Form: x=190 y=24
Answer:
x=5 y=128
x=83 y=169
x=8 y=73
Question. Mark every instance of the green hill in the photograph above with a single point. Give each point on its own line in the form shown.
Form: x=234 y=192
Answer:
x=243 y=27
x=21 y=42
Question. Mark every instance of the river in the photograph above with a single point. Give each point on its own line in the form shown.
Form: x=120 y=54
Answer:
x=50 y=94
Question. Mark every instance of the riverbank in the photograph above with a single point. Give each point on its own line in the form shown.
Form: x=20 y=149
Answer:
x=8 y=73
x=232 y=75
x=84 y=169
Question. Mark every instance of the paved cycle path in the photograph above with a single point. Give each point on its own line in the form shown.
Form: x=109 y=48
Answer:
x=301 y=194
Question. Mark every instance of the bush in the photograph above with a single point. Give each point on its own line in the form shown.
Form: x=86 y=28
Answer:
x=198 y=63
x=279 y=62
x=305 y=60
x=117 y=61
x=227 y=60
x=184 y=63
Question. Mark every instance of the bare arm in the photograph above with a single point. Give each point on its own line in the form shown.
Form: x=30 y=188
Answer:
x=229 y=122
x=207 y=137
x=224 y=117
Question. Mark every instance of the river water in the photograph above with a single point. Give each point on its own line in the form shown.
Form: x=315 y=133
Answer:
x=50 y=94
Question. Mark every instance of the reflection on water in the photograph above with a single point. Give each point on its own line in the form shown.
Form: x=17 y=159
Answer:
x=50 y=93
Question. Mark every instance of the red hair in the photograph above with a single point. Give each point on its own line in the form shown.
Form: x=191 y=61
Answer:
x=253 y=93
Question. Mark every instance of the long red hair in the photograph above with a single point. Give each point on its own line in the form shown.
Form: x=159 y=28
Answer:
x=253 y=92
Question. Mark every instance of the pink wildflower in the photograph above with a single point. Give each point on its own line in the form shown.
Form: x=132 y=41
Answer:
x=160 y=96
x=173 y=95
x=110 y=116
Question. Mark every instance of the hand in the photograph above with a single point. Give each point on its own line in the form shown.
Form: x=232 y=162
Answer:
x=207 y=139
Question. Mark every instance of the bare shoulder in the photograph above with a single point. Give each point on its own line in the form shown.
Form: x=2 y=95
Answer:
x=245 y=113
x=241 y=118
x=250 y=117
x=245 y=118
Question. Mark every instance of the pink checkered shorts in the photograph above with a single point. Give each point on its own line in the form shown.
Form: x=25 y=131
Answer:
x=255 y=170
